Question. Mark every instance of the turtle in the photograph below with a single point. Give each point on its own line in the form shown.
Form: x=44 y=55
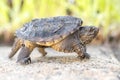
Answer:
x=62 y=33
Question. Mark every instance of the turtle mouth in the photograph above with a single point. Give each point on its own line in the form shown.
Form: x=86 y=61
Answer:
x=96 y=30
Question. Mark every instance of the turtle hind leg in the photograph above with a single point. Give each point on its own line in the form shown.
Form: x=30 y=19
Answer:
x=81 y=51
x=42 y=50
x=16 y=46
x=24 y=55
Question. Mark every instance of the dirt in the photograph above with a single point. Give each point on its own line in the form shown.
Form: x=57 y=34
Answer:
x=61 y=66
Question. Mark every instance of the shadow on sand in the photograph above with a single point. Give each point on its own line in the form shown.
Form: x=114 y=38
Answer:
x=58 y=59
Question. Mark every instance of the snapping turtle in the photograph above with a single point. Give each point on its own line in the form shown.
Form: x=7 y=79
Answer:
x=62 y=33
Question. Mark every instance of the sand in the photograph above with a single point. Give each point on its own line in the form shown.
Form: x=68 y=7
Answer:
x=61 y=66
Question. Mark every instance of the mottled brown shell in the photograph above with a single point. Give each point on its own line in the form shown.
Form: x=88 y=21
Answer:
x=48 y=31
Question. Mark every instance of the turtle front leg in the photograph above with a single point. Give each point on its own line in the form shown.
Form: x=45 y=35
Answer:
x=24 y=55
x=81 y=51
x=16 y=46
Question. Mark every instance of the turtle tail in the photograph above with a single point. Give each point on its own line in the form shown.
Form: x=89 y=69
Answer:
x=16 y=46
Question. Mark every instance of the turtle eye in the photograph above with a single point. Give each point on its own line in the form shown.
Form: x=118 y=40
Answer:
x=81 y=28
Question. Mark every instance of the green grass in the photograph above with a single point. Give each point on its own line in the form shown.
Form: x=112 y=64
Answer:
x=93 y=12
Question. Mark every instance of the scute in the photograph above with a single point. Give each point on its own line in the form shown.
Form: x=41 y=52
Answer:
x=48 y=31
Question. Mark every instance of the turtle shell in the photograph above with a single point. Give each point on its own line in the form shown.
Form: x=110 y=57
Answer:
x=48 y=31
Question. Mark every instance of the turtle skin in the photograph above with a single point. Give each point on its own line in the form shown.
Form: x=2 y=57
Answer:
x=62 y=33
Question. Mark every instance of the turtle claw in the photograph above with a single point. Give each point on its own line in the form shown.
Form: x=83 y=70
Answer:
x=85 y=56
x=25 y=61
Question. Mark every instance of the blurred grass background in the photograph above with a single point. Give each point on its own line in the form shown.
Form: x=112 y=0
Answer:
x=104 y=14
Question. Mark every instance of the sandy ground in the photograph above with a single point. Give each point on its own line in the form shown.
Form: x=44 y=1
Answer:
x=59 y=66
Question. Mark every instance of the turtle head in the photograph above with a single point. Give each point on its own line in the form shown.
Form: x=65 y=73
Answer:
x=88 y=33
